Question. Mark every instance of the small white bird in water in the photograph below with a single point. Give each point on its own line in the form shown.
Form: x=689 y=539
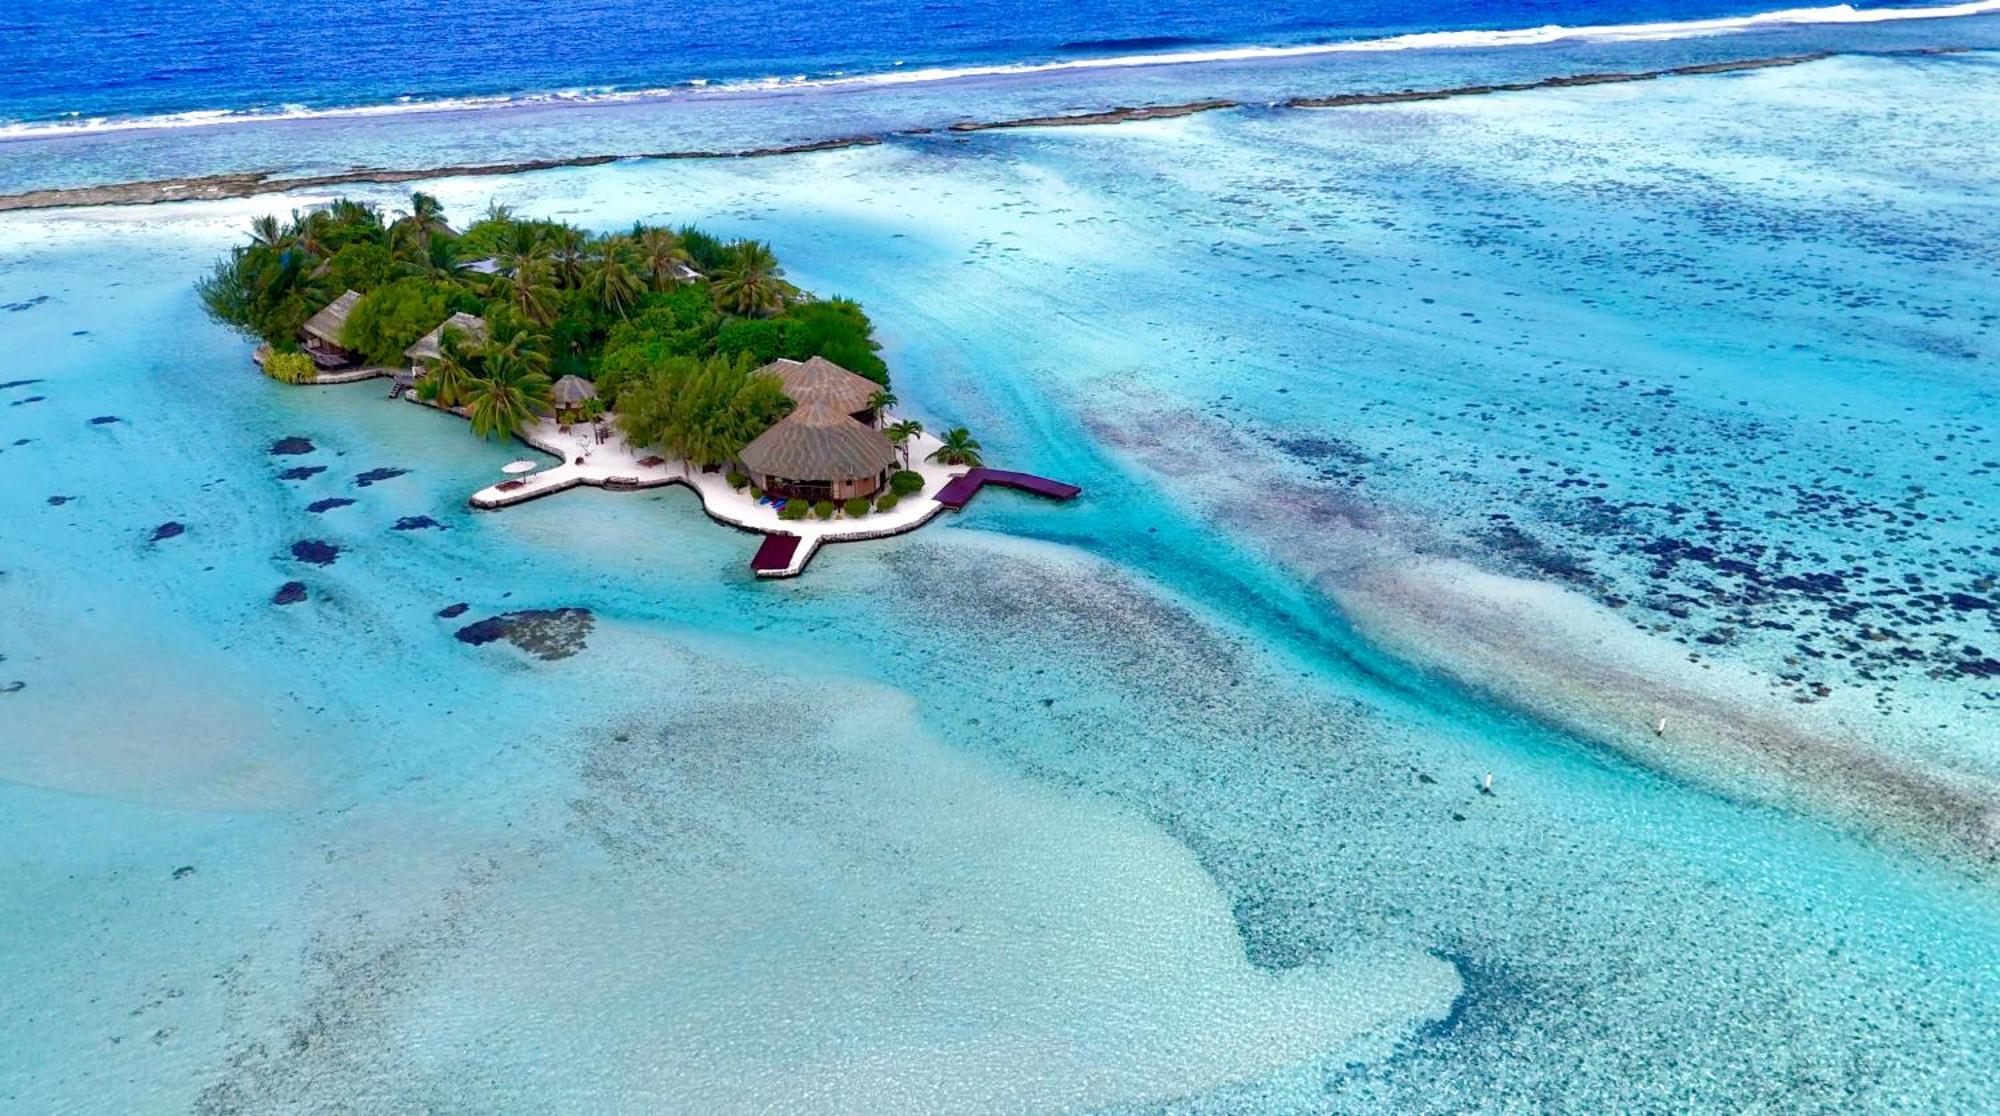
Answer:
x=1486 y=784
x=1661 y=728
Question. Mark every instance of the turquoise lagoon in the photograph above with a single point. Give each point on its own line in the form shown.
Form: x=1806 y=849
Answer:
x=1419 y=442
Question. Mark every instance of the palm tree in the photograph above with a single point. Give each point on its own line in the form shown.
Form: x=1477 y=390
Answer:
x=512 y=395
x=662 y=255
x=512 y=345
x=567 y=248
x=413 y=230
x=309 y=230
x=751 y=283
x=959 y=448
x=440 y=258
x=426 y=215
x=611 y=282
x=900 y=434
x=531 y=292
x=519 y=245
x=266 y=231
x=347 y=211
x=450 y=380
x=880 y=402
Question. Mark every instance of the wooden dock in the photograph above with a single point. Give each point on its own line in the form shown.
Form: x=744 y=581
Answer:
x=960 y=491
x=783 y=556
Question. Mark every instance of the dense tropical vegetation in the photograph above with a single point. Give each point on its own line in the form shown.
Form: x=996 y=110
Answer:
x=668 y=324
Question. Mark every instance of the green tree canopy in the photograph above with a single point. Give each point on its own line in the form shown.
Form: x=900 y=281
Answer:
x=391 y=318
x=704 y=411
x=361 y=267
x=836 y=329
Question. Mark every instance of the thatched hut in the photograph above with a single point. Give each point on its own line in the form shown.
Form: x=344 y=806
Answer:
x=572 y=394
x=819 y=453
x=320 y=336
x=820 y=380
x=429 y=348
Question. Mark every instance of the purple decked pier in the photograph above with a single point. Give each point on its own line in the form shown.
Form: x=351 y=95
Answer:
x=960 y=490
x=775 y=554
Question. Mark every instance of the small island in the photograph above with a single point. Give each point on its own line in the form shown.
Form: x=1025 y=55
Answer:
x=637 y=359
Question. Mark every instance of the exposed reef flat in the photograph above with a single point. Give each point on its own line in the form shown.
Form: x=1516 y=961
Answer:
x=1112 y=116
x=243 y=184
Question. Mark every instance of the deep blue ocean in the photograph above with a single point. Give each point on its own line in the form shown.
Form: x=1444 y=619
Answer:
x=142 y=58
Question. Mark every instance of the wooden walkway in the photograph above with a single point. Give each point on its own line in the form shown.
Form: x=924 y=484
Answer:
x=960 y=491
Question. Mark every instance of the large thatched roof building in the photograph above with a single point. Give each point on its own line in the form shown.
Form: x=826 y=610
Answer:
x=820 y=380
x=430 y=346
x=819 y=452
x=321 y=333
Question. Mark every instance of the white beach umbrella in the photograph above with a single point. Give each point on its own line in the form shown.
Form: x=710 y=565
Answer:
x=516 y=468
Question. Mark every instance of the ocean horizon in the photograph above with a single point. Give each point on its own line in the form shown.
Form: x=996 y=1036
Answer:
x=1502 y=612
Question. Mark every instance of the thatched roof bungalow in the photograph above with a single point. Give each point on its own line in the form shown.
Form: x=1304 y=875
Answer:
x=819 y=452
x=321 y=334
x=820 y=380
x=430 y=346
x=571 y=393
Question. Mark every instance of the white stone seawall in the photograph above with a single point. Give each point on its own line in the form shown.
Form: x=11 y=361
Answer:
x=615 y=465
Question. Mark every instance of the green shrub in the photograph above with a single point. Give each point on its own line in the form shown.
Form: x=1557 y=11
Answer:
x=290 y=368
x=823 y=509
x=856 y=508
x=737 y=480
x=906 y=483
x=793 y=509
x=887 y=501
x=756 y=493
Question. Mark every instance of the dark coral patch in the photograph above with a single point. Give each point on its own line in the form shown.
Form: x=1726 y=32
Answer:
x=28 y=400
x=546 y=633
x=291 y=592
x=105 y=420
x=452 y=611
x=417 y=523
x=18 y=383
x=315 y=551
x=59 y=501
x=301 y=472
x=168 y=530
x=292 y=446
x=363 y=480
x=328 y=504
